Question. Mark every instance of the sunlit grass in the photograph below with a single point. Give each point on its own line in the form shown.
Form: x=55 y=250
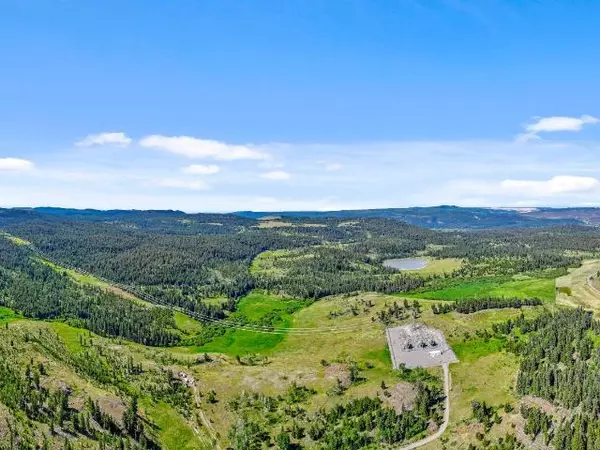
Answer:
x=542 y=288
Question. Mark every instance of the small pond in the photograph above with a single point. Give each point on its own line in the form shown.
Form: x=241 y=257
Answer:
x=406 y=263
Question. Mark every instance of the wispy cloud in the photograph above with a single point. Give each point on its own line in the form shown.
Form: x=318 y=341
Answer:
x=554 y=124
x=113 y=138
x=277 y=175
x=195 y=148
x=15 y=164
x=199 y=169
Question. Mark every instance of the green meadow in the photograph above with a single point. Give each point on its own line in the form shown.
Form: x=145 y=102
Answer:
x=543 y=288
x=255 y=309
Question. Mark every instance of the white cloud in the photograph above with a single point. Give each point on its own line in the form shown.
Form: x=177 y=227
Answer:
x=553 y=124
x=558 y=123
x=199 y=169
x=201 y=148
x=15 y=164
x=119 y=139
x=333 y=167
x=276 y=175
x=558 y=185
x=194 y=185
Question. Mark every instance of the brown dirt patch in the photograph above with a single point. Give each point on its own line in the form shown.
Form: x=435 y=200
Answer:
x=76 y=403
x=400 y=397
x=114 y=407
x=337 y=370
x=544 y=405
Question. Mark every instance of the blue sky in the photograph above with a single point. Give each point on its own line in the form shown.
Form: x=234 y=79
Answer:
x=218 y=105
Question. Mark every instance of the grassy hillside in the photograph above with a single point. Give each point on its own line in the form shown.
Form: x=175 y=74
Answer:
x=525 y=287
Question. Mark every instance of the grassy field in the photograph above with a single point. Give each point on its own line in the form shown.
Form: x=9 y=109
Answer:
x=301 y=357
x=7 y=315
x=15 y=239
x=543 y=288
x=186 y=323
x=71 y=336
x=573 y=288
x=255 y=308
x=76 y=276
x=276 y=223
x=266 y=261
x=174 y=432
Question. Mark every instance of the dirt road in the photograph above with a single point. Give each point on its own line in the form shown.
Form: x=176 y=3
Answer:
x=444 y=425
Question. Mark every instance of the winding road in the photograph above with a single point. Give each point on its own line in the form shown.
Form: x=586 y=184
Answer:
x=444 y=425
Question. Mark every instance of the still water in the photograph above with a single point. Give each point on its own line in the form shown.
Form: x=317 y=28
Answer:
x=406 y=263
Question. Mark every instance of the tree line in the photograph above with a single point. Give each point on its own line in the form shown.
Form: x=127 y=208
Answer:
x=36 y=290
x=469 y=306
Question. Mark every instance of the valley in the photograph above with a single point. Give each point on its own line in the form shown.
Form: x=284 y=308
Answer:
x=255 y=347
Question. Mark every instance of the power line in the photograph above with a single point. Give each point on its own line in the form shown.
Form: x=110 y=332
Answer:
x=194 y=314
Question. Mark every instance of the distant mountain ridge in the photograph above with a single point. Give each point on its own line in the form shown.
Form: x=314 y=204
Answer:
x=455 y=217
x=434 y=217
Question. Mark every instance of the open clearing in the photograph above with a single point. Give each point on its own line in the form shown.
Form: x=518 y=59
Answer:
x=255 y=308
x=573 y=289
x=542 y=288
x=7 y=315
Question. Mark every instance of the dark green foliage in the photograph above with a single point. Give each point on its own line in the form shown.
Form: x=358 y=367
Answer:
x=248 y=435
x=508 y=442
x=561 y=364
x=298 y=394
x=485 y=414
x=353 y=425
x=365 y=421
x=580 y=432
x=558 y=363
x=393 y=313
x=537 y=421
x=183 y=259
x=284 y=442
x=36 y=290
x=320 y=271
x=417 y=374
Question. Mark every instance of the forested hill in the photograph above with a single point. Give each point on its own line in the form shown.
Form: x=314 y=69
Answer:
x=436 y=217
x=163 y=221
x=455 y=217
